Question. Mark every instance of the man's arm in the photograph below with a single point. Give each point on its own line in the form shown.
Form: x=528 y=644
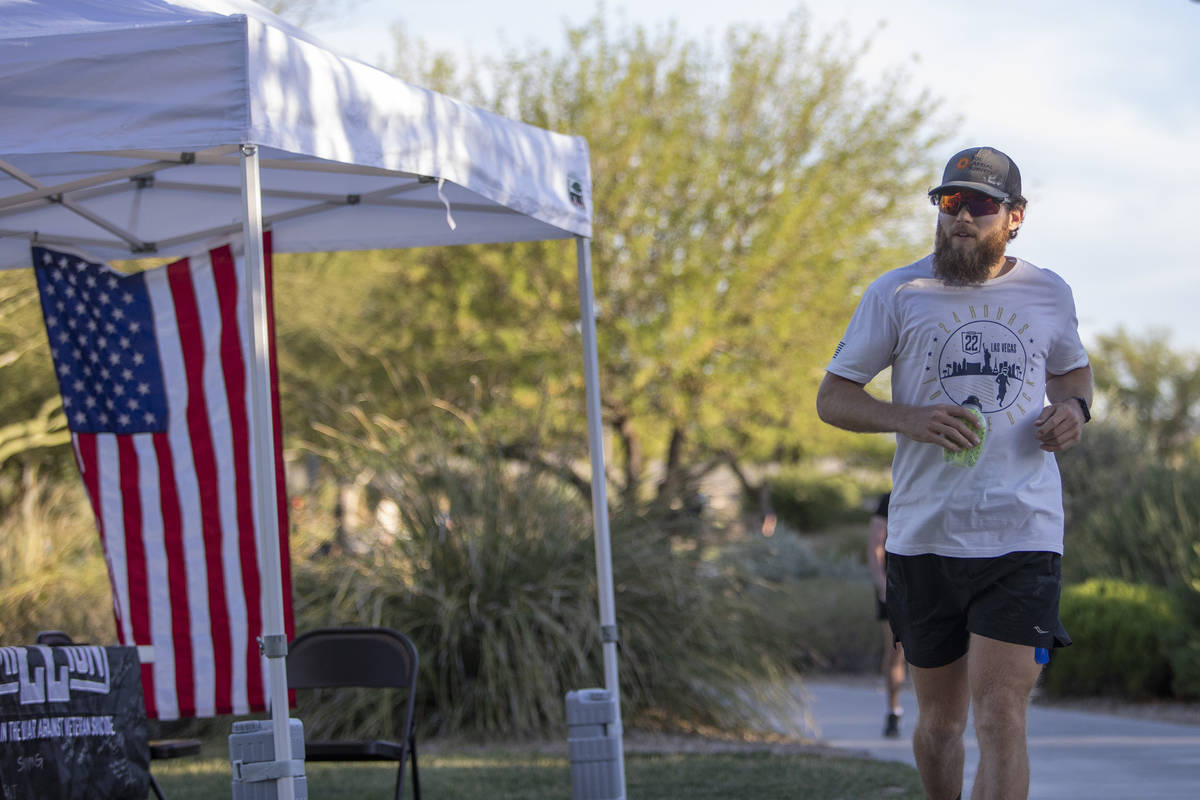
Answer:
x=1060 y=425
x=846 y=404
x=876 y=549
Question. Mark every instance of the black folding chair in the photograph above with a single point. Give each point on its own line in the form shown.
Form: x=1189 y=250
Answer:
x=159 y=748
x=329 y=658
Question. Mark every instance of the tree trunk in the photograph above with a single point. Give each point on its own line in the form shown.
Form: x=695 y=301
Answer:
x=632 y=462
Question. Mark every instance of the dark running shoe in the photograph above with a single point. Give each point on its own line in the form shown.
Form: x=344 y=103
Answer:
x=891 y=728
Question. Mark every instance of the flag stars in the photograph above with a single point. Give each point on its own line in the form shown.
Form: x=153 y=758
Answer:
x=97 y=319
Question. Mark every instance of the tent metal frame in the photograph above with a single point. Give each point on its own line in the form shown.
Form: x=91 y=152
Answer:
x=142 y=178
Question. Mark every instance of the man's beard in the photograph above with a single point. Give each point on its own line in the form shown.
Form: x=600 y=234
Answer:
x=967 y=265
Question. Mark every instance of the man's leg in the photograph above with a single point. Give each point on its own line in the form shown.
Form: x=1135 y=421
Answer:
x=894 y=670
x=943 y=698
x=893 y=676
x=1001 y=675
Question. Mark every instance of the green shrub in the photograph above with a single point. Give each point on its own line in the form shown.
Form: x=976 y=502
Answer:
x=828 y=624
x=810 y=501
x=1128 y=518
x=787 y=556
x=1182 y=643
x=493 y=574
x=1118 y=631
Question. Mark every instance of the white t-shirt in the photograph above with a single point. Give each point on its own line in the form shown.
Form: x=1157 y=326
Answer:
x=998 y=342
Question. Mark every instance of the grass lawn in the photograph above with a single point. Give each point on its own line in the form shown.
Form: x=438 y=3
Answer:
x=506 y=776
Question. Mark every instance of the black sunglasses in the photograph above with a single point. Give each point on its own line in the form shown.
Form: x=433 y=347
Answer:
x=980 y=205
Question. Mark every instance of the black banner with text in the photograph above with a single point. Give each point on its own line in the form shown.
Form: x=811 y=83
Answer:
x=72 y=724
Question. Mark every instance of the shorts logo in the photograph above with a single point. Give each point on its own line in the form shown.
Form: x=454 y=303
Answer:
x=986 y=359
x=1037 y=629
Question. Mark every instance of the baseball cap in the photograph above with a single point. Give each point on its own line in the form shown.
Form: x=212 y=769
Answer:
x=984 y=169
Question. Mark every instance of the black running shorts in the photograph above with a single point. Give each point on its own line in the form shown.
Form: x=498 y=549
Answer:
x=936 y=602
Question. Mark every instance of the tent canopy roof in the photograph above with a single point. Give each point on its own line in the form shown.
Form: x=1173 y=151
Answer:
x=121 y=123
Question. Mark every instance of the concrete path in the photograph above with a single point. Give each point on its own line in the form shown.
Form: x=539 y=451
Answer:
x=1073 y=754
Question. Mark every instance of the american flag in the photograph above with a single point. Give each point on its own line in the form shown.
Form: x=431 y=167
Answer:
x=154 y=370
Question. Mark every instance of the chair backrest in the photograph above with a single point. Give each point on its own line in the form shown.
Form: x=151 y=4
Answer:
x=54 y=638
x=336 y=657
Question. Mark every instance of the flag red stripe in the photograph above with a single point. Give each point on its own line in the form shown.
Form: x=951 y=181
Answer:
x=225 y=278
x=89 y=471
x=135 y=548
x=181 y=620
x=191 y=339
x=135 y=560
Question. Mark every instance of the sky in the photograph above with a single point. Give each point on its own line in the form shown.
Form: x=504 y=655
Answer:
x=1097 y=102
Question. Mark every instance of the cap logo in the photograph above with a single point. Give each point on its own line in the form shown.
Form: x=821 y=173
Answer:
x=963 y=162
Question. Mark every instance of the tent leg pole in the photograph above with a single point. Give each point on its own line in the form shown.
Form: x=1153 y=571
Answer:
x=604 y=574
x=274 y=638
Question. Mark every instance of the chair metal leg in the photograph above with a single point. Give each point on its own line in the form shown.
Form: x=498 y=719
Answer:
x=412 y=756
x=412 y=750
x=154 y=787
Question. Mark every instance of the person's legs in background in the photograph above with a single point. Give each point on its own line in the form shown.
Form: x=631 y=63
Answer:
x=893 y=675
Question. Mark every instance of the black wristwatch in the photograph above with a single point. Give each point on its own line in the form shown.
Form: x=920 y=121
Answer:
x=1087 y=413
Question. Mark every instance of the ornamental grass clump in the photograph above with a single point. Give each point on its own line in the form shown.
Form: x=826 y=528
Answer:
x=490 y=568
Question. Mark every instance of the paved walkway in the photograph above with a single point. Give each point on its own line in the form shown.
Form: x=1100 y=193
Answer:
x=1073 y=754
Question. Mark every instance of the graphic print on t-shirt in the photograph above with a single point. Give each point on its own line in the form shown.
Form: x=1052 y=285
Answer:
x=984 y=358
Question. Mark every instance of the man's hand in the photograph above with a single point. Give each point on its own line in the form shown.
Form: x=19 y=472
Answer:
x=1060 y=426
x=950 y=427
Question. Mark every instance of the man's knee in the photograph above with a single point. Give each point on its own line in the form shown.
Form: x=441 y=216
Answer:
x=1000 y=713
x=941 y=728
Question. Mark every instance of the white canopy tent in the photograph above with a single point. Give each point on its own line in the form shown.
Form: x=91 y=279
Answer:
x=133 y=128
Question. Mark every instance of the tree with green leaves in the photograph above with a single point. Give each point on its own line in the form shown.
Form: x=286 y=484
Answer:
x=1155 y=388
x=31 y=420
x=743 y=194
